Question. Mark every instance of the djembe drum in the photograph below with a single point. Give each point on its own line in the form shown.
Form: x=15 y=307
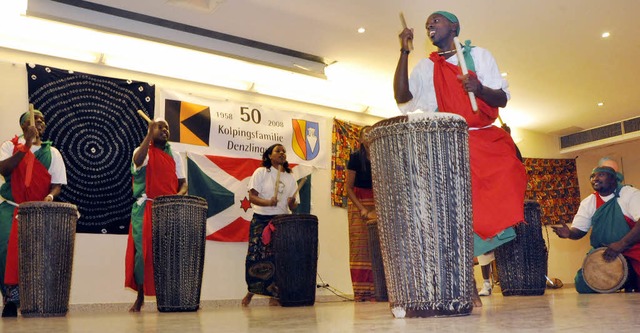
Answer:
x=522 y=263
x=422 y=186
x=604 y=276
x=46 y=236
x=379 y=281
x=295 y=248
x=179 y=232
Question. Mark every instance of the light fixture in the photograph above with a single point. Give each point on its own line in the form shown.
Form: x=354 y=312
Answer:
x=605 y=34
x=600 y=103
x=361 y=30
x=68 y=41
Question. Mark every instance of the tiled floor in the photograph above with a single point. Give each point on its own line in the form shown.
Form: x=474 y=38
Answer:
x=561 y=310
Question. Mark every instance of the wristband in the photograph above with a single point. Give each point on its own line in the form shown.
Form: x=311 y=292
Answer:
x=405 y=51
x=49 y=195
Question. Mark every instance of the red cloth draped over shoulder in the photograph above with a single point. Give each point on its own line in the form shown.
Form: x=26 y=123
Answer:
x=498 y=178
x=39 y=186
x=161 y=179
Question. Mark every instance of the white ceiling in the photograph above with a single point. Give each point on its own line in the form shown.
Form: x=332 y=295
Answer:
x=558 y=65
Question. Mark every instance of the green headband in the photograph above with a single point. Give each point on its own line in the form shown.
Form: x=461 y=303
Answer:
x=608 y=170
x=25 y=116
x=452 y=18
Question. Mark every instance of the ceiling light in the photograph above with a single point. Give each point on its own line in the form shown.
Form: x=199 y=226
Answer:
x=361 y=30
x=605 y=34
x=601 y=104
x=504 y=74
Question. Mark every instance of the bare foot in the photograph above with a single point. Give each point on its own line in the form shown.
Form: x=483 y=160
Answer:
x=274 y=302
x=247 y=299
x=137 y=305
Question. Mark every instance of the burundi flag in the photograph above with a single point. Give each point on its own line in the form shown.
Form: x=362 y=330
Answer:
x=188 y=122
x=304 y=141
x=222 y=181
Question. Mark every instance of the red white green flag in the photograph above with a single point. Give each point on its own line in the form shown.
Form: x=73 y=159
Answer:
x=222 y=181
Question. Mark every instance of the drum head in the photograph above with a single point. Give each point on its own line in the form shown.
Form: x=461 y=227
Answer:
x=602 y=276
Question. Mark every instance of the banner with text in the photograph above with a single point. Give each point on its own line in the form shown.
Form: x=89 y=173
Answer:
x=239 y=129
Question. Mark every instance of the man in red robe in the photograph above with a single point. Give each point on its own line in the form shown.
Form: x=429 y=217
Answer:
x=33 y=170
x=156 y=170
x=498 y=178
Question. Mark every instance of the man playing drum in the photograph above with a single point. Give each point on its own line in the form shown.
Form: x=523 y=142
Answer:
x=157 y=170
x=33 y=170
x=498 y=178
x=613 y=222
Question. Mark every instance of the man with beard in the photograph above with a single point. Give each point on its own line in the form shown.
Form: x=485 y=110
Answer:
x=612 y=214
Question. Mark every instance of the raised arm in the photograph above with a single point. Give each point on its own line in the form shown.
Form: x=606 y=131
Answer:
x=401 y=78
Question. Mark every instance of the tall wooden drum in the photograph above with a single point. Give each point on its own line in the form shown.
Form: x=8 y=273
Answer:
x=295 y=249
x=422 y=186
x=46 y=236
x=179 y=232
x=522 y=262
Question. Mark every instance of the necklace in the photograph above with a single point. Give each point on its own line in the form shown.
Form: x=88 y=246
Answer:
x=447 y=52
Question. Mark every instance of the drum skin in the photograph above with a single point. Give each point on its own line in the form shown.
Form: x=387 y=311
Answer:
x=603 y=276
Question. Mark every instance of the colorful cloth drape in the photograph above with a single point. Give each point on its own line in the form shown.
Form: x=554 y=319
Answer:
x=344 y=141
x=553 y=183
x=359 y=256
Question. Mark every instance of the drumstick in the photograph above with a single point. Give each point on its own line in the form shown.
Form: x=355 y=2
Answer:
x=275 y=194
x=550 y=282
x=463 y=66
x=144 y=116
x=32 y=115
x=404 y=25
x=304 y=180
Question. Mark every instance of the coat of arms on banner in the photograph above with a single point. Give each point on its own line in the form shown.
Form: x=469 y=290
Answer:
x=304 y=141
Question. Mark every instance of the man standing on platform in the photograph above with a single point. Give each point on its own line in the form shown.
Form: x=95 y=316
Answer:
x=157 y=170
x=33 y=170
x=498 y=178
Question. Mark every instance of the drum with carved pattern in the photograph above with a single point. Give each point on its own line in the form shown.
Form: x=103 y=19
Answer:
x=46 y=234
x=422 y=181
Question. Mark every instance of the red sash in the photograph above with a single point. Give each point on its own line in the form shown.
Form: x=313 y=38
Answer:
x=161 y=179
x=498 y=178
x=39 y=185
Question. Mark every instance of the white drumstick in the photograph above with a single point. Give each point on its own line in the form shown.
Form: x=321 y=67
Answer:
x=465 y=71
x=404 y=25
x=304 y=180
x=32 y=115
x=277 y=185
x=144 y=116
